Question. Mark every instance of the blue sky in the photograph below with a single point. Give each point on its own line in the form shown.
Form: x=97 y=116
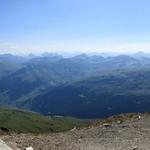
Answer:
x=74 y=25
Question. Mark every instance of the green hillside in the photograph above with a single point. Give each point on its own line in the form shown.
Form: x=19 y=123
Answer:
x=19 y=121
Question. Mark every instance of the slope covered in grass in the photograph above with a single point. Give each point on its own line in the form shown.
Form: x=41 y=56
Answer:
x=28 y=122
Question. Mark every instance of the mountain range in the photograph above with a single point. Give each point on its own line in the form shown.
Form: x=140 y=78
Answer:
x=84 y=86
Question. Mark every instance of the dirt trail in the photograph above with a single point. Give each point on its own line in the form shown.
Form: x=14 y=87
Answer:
x=129 y=135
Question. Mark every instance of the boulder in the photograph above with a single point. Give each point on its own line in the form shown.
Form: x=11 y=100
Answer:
x=3 y=146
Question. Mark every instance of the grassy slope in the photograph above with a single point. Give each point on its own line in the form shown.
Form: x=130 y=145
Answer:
x=27 y=122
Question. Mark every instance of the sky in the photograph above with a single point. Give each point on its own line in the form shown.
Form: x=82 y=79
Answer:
x=35 y=26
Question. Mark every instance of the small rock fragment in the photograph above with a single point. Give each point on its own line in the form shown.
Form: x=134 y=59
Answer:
x=118 y=122
x=107 y=125
x=74 y=129
x=135 y=148
x=29 y=148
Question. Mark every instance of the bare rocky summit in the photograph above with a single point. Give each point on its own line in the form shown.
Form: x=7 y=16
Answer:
x=133 y=134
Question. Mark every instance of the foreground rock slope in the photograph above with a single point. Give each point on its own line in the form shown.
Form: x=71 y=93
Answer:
x=131 y=134
x=3 y=146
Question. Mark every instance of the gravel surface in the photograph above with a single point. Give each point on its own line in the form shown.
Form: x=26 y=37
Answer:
x=129 y=135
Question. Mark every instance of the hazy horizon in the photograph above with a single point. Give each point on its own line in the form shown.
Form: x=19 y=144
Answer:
x=72 y=54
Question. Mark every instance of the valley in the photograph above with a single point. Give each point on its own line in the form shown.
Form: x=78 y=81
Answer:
x=81 y=86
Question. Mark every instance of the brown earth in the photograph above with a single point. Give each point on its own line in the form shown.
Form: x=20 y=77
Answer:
x=132 y=134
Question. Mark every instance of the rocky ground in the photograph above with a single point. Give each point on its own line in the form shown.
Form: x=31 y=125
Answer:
x=131 y=134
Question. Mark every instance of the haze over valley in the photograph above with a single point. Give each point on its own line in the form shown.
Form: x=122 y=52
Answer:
x=83 y=86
